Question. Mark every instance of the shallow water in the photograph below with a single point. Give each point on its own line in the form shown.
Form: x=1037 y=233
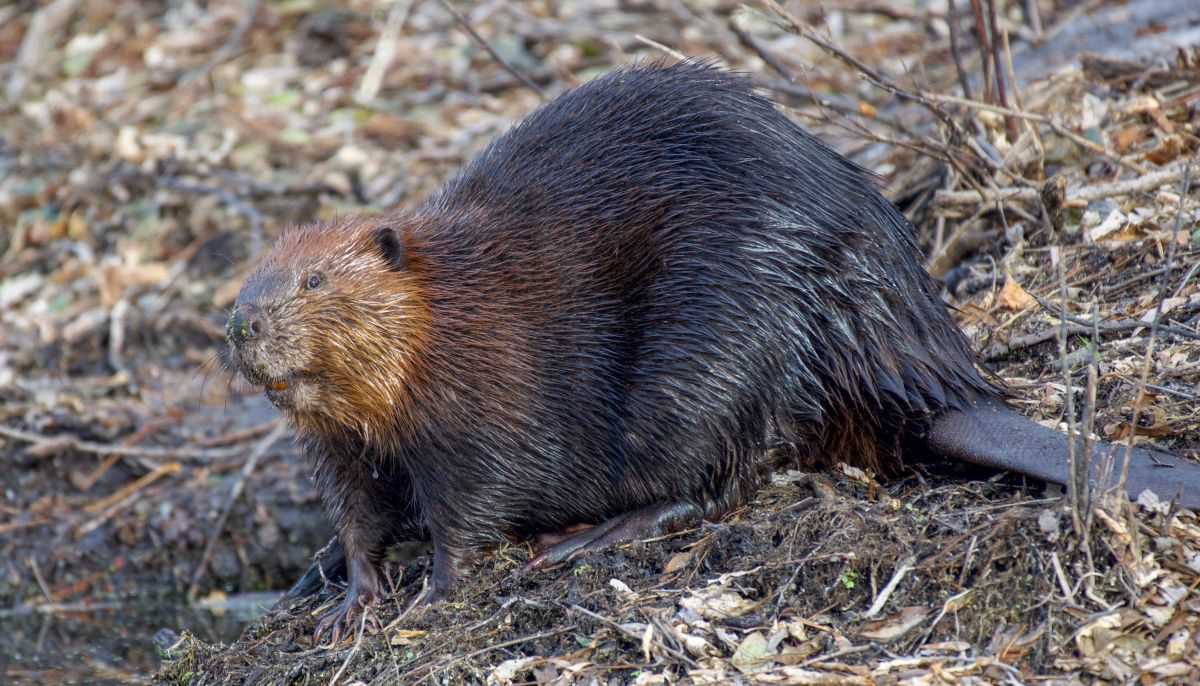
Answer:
x=110 y=644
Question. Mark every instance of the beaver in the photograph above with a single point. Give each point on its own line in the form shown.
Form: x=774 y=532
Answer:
x=603 y=325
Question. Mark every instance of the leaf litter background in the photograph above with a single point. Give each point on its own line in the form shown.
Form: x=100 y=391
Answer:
x=148 y=151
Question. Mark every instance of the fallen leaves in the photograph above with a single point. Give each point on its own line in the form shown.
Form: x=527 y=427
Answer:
x=897 y=626
x=404 y=637
x=1012 y=297
x=753 y=654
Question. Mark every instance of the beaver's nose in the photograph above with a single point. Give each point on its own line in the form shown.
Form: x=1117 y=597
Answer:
x=246 y=323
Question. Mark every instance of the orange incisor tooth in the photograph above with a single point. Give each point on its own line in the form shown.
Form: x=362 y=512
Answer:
x=279 y=385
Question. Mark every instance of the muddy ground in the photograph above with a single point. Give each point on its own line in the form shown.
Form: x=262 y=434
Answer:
x=149 y=151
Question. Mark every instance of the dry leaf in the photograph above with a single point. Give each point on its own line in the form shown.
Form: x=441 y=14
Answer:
x=505 y=673
x=1142 y=105
x=1109 y=631
x=403 y=637
x=215 y=602
x=753 y=655
x=894 y=627
x=714 y=604
x=1013 y=297
x=1124 y=140
x=622 y=588
x=1112 y=223
x=677 y=562
x=854 y=473
x=392 y=132
x=802 y=652
x=695 y=645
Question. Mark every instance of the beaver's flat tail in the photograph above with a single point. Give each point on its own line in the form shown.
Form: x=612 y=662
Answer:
x=992 y=434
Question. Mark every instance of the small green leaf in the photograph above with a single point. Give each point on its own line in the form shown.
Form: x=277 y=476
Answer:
x=849 y=578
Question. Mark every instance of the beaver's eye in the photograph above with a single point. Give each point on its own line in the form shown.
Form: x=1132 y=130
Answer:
x=314 y=281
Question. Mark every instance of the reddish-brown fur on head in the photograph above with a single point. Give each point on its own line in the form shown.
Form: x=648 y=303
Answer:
x=329 y=322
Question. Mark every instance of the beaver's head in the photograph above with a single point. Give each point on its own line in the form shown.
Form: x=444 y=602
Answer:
x=327 y=324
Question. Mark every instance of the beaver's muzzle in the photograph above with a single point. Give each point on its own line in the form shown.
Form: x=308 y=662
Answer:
x=246 y=323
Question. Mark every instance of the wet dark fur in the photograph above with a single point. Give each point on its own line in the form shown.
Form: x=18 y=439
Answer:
x=629 y=299
x=643 y=286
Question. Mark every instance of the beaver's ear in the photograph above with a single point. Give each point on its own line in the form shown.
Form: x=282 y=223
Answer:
x=390 y=244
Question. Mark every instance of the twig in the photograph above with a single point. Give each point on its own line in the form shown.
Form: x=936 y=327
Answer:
x=1067 y=19
x=1010 y=124
x=666 y=49
x=1034 y=17
x=516 y=641
x=61 y=442
x=362 y=630
x=801 y=28
x=759 y=49
x=1140 y=184
x=133 y=487
x=1089 y=426
x=889 y=10
x=1077 y=325
x=1191 y=272
x=951 y=20
x=833 y=101
x=1078 y=463
x=237 y=436
x=1001 y=349
x=1009 y=72
x=41 y=581
x=9 y=527
x=260 y=188
x=385 y=51
x=1117 y=325
x=219 y=526
x=968 y=560
x=116 y=334
x=1052 y=122
x=854 y=124
x=46 y=22
x=826 y=657
x=123 y=498
x=466 y=26
x=1155 y=324
x=901 y=569
x=985 y=56
x=145 y=430
x=634 y=636
x=1114 y=287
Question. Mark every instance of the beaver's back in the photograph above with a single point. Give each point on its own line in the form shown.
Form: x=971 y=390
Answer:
x=661 y=275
